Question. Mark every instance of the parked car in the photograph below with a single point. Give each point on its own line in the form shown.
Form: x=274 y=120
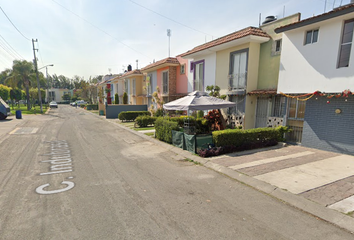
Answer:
x=4 y=109
x=80 y=102
x=53 y=104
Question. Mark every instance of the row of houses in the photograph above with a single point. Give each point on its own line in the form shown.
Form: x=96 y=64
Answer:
x=288 y=72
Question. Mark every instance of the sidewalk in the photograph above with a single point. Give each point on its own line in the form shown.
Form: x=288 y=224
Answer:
x=318 y=182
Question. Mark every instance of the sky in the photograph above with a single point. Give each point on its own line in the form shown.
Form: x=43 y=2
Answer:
x=88 y=38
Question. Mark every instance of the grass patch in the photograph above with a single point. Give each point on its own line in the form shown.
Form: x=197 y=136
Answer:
x=150 y=134
x=34 y=110
x=351 y=213
x=192 y=161
x=146 y=128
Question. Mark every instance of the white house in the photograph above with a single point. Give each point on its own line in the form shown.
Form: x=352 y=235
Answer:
x=316 y=74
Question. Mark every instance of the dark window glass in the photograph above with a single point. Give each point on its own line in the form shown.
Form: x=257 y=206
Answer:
x=315 y=36
x=346 y=46
x=278 y=45
x=308 y=37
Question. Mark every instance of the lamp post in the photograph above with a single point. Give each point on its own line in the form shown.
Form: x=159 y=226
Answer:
x=46 y=75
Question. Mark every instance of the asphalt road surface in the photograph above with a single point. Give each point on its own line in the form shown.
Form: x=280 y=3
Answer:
x=73 y=175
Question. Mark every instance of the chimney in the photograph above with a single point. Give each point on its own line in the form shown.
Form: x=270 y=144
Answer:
x=129 y=68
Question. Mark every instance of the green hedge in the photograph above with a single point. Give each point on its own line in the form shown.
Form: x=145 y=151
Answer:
x=132 y=115
x=238 y=137
x=163 y=129
x=201 y=124
x=144 y=121
x=92 y=107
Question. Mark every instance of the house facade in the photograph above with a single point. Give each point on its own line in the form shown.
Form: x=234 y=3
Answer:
x=317 y=74
x=270 y=106
x=169 y=75
x=230 y=62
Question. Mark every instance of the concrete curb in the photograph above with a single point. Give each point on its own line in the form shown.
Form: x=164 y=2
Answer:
x=329 y=215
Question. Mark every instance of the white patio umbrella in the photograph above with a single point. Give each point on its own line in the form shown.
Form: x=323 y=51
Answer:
x=198 y=101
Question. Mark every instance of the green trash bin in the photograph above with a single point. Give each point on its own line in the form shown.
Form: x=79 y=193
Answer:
x=101 y=113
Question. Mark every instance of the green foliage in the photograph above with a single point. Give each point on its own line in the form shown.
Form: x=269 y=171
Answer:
x=4 y=92
x=214 y=91
x=125 y=98
x=66 y=97
x=163 y=129
x=131 y=115
x=16 y=94
x=200 y=114
x=92 y=107
x=116 y=98
x=238 y=137
x=144 y=120
x=201 y=124
x=158 y=113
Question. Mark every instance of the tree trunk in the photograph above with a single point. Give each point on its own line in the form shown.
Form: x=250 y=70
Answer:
x=27 y=95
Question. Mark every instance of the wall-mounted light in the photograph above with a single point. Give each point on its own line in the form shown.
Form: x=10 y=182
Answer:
x=338 y=111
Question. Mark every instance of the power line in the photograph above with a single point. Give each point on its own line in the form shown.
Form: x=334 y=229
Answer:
x=182 y=24
x=14 y=25
x=11 y=47
x=99 y=29
x=8 y=52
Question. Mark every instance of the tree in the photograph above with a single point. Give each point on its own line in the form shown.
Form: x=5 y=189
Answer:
x=20 y=76
x=15 y=94
x=116 y=98
x=125 y=98
x=156 y=98
x=66 y=97
x=214 y=91
x=4 y=92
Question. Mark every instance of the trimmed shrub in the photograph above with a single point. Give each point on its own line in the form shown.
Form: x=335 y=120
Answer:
x=131 y=115
x=238 y=137
x=125 y=98
x=116 y=98
x=92 y=107
x=163 y=129
x=144 y=121
x=201 y=124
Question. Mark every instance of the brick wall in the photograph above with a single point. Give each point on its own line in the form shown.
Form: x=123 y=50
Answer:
x=172 y=77
x=326 y=130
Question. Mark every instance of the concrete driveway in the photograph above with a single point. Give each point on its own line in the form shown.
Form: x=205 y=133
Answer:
x=324 y=177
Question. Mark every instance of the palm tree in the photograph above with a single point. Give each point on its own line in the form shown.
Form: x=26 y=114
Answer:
x=20 y=76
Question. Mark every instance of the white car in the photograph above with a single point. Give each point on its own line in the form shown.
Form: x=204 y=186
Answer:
x=53 y=105
x=80 y=102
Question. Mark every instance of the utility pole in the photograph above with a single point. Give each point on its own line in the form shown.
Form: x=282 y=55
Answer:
x=36 y=68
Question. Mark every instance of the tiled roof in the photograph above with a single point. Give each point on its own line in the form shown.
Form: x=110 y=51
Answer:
x=331 y=14
x=263 y=92
x=133 y=72
x=169 y=60
x=228 y=38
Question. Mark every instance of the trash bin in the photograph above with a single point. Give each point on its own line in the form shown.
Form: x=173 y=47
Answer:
x=101 y=113
x=18 y=114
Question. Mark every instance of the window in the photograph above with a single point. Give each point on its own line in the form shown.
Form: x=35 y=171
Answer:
x=278 y=45
x=238 y=69
x=278 y=106
x=165 y=82
x=183 y=69
x=239 y=109
x=149 y=84
x=346 y=44
x=134 y=93
x=126 y=85
x=198 y=82
x=311 y=36
x=296 y=109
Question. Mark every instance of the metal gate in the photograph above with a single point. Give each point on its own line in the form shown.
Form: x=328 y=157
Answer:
x=262 y=112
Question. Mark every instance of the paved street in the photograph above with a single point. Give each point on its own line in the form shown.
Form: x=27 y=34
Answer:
x=73 y=175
